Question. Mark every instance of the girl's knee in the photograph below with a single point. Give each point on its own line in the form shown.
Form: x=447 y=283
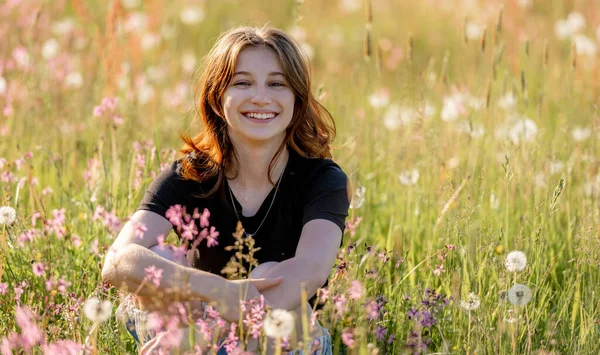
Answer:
x=262 y=269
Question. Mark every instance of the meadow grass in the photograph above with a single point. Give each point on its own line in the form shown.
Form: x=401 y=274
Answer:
x=468 y=132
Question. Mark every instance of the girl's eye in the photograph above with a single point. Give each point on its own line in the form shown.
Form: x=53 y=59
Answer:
x=242 y=83
x=277 y=84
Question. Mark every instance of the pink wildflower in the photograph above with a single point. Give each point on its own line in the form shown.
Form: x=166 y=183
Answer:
x=348 y=337
x=189 y=230
x=62 y=347
x=140 y=229
x=231 y=341
x=154 y=275
x=30 y=332
x=175 y=215
x=3 y=288
x=204 y=218
x=356 y=290
x=341 y=304
x=439 y=270
x=34 y=218
x=62 y=285
x=76 y=240
x=38 y=269
x=211 y=239
x=179 y=252
x=94 y=247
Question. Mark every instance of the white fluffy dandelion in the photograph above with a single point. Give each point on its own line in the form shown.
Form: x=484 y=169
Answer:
x=359 y=197
x=96 y=310
x=279 y=323
x=471 y=302
x=192 y=15
x=8 y=215
x=515 y=261
x=519 y=295
x=409 y=177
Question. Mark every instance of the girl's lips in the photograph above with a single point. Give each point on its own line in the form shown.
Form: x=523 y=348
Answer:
x=260 y=120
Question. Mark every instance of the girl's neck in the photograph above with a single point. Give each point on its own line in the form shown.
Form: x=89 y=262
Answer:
x=253 y=163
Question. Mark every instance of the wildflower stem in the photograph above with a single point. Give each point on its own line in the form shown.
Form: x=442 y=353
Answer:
x=469 y=334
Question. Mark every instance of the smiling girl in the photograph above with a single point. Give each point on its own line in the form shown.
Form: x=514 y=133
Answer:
x=262 y=159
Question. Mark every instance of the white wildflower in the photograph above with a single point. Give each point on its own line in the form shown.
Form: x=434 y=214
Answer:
x=307 y=49
x=297 y=32
x=379 y=99
x=395 y=116
x=523 y=130
x=74 y=80
x=63 y=27
x=188 y=62
x=540 y=180
x=136 y=22
x=8 y=215
x=515 y=261
x=3 y=85
x=452 y=162
x=50 y=49
x=451 y=109
x=576 y=21
x=580 y=134
x=507 y=101
x=96 y=310
x=472 y=302
x=556 y=166
x=279 y=323
x=409 y=177
x=494 y=202
x=145 y=94
x=585 y=45
x=349 y=6
x=192 y=15
x=519 y=295
x=149 y=41
x=359 y=197
x=524 y=4
x=473 y=31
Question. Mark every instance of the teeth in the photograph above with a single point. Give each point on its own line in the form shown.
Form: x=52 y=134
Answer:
x=260 y=116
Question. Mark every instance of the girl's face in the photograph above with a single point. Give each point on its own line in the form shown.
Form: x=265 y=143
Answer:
x=258 y=103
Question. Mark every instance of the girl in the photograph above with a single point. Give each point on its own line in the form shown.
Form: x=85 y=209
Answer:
x=262 y=160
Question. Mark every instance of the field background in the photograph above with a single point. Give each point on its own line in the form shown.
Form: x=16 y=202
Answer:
x=469 y=129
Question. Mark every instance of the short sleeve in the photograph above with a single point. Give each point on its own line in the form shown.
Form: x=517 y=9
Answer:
x=326 y=196
x=164 y=191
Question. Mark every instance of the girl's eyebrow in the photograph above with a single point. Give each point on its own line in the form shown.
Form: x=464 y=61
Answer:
x=275 y=73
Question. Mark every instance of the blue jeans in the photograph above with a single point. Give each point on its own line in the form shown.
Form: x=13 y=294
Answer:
x=134 y=320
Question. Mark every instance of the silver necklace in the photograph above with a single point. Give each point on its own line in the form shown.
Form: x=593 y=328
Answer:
x=266 y=214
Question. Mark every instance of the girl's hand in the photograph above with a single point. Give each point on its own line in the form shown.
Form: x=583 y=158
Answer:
x=158 y=344
x=229 y=304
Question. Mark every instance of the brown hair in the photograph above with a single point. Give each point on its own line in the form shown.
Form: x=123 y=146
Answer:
x=210 y=153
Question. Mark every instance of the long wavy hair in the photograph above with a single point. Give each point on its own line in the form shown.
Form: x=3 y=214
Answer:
x=210 y=153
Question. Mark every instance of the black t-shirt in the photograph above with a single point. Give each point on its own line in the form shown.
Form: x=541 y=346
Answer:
x=309 y=189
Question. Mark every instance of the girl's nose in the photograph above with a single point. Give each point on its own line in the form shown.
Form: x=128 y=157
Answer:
x=260 y=97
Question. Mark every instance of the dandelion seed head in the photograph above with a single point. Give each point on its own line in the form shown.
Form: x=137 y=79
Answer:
x=279 y=323
x=471 y=302
x=515 y=261
x=519 y=295
x=8 y=215
x=96 y=310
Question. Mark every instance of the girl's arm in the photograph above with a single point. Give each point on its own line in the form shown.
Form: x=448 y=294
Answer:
x=315 y=256
x=129 y=256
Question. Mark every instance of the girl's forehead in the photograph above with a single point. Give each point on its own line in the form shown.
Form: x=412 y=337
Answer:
x=253 y=59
